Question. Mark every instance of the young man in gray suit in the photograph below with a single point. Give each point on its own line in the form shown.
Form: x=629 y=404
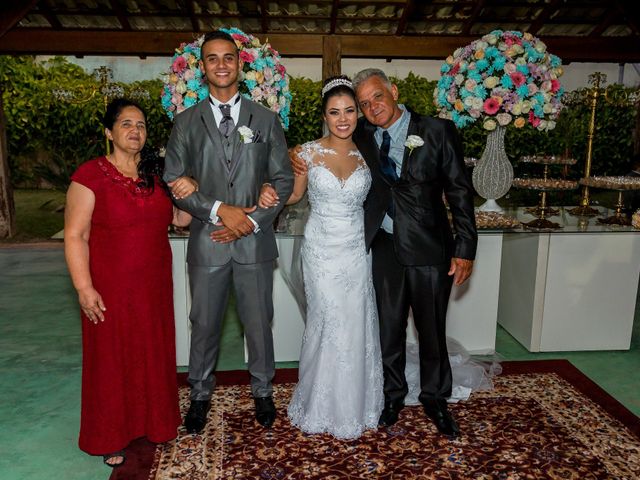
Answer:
x=230 y=168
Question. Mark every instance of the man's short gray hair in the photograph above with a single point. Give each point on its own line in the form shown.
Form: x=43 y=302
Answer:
x=366 y=74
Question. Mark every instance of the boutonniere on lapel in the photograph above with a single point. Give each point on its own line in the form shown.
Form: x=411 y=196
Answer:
x=413 y=141
x=246 y=134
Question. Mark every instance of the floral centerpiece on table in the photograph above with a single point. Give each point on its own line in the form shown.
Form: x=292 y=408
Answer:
x=503 y=78
x=263 y=78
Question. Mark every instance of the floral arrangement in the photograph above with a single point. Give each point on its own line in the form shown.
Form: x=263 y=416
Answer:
x=505 y=77
x=263 y=78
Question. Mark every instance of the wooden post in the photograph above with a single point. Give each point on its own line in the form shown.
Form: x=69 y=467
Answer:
x=331 y=56
x=7 y=207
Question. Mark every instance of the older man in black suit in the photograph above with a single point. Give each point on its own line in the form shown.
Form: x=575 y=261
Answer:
x=414 y=159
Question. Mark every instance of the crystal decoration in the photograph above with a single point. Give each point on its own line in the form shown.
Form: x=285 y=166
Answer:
x=493 y=175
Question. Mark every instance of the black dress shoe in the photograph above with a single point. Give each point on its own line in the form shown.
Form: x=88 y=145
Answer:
x=265 y=411
x=390 y=413
x=196 y=417
x=437 y=411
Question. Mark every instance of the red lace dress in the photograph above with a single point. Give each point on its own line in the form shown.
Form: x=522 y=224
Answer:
x=129 y=385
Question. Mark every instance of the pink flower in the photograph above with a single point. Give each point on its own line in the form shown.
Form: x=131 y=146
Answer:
x=533 y=120
x=246 y=57
x=491 y=105
x=280 y=69
x=179 y=64
x=455 y=69
x=517 y=78
x=555 y=85
x=240 y=38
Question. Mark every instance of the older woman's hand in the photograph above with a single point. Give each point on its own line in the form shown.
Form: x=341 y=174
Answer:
x=91 y=304
x=182 y=187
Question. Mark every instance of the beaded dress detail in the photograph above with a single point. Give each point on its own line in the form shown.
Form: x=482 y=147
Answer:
x=340 y=387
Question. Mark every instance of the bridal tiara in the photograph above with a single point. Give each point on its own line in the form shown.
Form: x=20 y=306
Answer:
x=337 y=82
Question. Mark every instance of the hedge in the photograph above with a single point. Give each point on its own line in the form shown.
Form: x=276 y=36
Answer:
x=48 y=138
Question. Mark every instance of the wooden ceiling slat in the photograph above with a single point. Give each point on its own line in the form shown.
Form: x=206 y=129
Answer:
x=45 y=41
x=263 y=21
x=404 y=19
x=12 y=12
x=606 y=22
x=334 y=17
x=192 y=15
x=544 y=16
x=121 y=15
x=466 y=29
x=631 y=11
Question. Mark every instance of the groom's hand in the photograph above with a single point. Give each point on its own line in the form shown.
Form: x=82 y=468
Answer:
x=461 y=269
x=235 y=219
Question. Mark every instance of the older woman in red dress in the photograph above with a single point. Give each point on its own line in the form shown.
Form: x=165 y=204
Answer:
x=119 y=258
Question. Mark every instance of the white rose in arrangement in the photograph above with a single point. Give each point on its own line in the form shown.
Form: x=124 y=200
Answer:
x=532 y=88
x=526 y=106
x=510 y=68
x=551 y=124
x=181 y=87
x=413 y=141
x=490 y=39
x=543 y=125
x=272 y=100
x=250 y=75
x=490 y=82
x=475 y=113
x=246 y=134
x=547 y=108
x=516 y=109
x=489 y=124
x=503 y=119
x=459 y=78
x=470 y=84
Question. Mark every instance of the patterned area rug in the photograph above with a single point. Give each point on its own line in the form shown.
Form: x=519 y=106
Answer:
x=543 y=420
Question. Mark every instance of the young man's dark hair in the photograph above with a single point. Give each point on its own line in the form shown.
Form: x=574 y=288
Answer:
x=219 y=35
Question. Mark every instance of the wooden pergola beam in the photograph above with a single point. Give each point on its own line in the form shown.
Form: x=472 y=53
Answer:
x=119 y=43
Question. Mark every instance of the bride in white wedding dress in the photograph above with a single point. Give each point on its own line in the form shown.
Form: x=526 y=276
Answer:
x=340 y=386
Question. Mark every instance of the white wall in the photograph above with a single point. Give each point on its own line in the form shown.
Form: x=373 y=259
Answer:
x=129 y=69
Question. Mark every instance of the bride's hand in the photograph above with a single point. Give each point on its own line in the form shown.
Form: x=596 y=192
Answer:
x=297 y=164
x=268 y=196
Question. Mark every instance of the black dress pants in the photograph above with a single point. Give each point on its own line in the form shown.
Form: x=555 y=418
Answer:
x=425 y=289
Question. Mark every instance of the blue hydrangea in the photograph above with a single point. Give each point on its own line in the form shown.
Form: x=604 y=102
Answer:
x=445 y=68
x=194 y=84
x=524 y=69
x=203 y=92
x=475 y=75
x=480 y=92
x=499 y=63
x=506 y=81
x=482 y=64
x=554 y=61
x=522 y=91
x=189 y=102
x=491 y=52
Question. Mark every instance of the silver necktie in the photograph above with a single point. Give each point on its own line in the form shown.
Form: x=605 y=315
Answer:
x=226 y=124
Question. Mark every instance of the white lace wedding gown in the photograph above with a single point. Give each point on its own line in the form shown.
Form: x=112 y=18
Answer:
x=340 y=386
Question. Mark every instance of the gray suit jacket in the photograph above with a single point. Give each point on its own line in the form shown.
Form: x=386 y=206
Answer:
x=196 y=149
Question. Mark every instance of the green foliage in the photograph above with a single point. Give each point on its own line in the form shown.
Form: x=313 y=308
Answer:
x=48 y=138
x=305 y=119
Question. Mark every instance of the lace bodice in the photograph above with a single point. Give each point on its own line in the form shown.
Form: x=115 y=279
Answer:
x=330 y=195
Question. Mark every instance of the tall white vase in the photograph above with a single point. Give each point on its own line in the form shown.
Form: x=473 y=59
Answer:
x=493 y=174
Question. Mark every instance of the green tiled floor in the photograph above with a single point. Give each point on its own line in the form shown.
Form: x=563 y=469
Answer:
x=40 y=368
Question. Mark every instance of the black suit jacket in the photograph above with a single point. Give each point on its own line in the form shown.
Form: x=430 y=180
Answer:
x=422 y=234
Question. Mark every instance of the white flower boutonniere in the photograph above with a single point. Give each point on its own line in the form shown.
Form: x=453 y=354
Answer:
x=413 y=141
x=246 y=134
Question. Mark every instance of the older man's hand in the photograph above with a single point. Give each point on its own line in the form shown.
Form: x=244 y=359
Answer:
x=461 y=269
